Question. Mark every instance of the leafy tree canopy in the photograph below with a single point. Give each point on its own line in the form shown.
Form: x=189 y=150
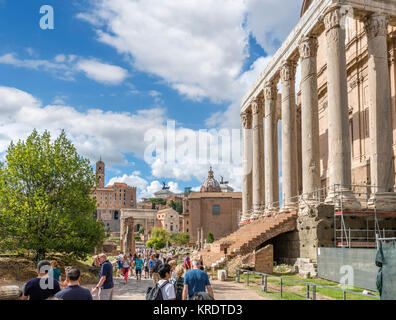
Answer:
x=45 y=202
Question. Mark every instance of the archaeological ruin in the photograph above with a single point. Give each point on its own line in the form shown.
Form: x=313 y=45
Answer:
x=337 y=134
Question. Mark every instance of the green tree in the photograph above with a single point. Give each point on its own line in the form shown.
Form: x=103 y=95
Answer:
x=210 y=238
x=180 y=238
x=177 y=206
x=159 y=238
x=156 y=201
x=45 y=202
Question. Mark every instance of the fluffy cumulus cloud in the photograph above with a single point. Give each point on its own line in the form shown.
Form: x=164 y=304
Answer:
x=178 y=153
x=94 y=132
x=66 y=67
x=145 y=189
x=199 y=47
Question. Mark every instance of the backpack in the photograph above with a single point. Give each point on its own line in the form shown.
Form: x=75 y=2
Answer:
x=156 y=265
x=179 y=286
x=202 y=296
x=155 y=293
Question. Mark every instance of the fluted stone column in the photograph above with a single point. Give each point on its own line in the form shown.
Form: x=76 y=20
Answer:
x=392 y=61
x=289 y=137
x=381 y=158
x=271 y=147
x=247 y=166
x=258 y=157
x=309 y=117
x=338 y=117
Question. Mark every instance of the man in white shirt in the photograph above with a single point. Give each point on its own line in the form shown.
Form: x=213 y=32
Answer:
x=167 y=288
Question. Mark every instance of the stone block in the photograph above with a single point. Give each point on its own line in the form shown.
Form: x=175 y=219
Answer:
x=222 y=275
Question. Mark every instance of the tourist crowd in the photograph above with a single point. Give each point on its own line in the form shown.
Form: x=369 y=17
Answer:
x=187 y=281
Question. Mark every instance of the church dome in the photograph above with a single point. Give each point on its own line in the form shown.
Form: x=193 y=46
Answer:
x=210 y=184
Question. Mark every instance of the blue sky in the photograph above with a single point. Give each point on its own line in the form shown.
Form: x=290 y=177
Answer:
x=111 y=71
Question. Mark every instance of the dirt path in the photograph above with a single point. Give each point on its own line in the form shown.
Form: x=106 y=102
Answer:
x=134 y=290
x=234 y=291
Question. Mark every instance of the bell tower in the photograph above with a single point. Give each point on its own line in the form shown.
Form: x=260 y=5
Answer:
x=100 y=173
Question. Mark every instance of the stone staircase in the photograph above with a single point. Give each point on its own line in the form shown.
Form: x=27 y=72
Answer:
x=248 y=238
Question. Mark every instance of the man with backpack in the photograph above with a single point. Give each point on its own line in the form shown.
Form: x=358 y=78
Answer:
x=163 y=289
x=155 y=267
x=196 y=282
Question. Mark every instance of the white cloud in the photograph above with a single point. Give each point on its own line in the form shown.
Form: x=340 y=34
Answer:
x=197 y=46
x=66 y=67
x=93 y=132
x=144 y=188
x=101 y=72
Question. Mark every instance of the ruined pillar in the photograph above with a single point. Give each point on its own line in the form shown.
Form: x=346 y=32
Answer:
x=381 y=157
x=127 y=244
x=289 y=136
x=258 y=158
x=247 y=166
x=309 y=117
x=271 y=147
x=338 y=116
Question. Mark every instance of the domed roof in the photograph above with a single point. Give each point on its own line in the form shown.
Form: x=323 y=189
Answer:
x=210 y=184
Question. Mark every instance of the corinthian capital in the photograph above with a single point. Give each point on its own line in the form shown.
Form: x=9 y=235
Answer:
x=246 y=120
x=333 y=17
x=270 y=90
x=257 y=106
x=376 y=25
x=288 y=70
x=308 y=47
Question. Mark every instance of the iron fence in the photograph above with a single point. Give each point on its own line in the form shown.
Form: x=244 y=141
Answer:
x=308 y=285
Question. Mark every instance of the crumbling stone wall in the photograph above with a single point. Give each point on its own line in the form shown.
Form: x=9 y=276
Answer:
x=264 y=259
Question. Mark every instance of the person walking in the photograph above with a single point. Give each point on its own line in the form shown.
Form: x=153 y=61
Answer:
x=55 y=272
x=139 y=267
x=42 y=287
x=74 y=291
x=187 y=262
x=125 y=269
x=179 y=282
x=173 y=265
x=156 y=265
x=196 y=281
x=167 y=288
x=119 y=260
x=105 y=284
x=146 y=265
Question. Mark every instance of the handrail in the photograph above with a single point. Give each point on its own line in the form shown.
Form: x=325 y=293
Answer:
x=314 y=285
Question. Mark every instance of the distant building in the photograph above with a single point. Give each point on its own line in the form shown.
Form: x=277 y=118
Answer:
x=111 y=199
x=168 y=219
x=214 y=209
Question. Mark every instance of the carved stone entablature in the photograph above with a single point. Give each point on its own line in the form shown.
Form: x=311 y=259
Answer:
x=288 y=70
x=257 y=106
x=308 y=47
x=376 y=25
x=246 y=120
x=270 y=90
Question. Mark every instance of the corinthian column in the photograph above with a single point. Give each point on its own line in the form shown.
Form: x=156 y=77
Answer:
x=381 y=158
x=271 y=147
x=309 y=117
x=289 y=136
x=258 y=158
x=247 y=165
x=338 y=117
